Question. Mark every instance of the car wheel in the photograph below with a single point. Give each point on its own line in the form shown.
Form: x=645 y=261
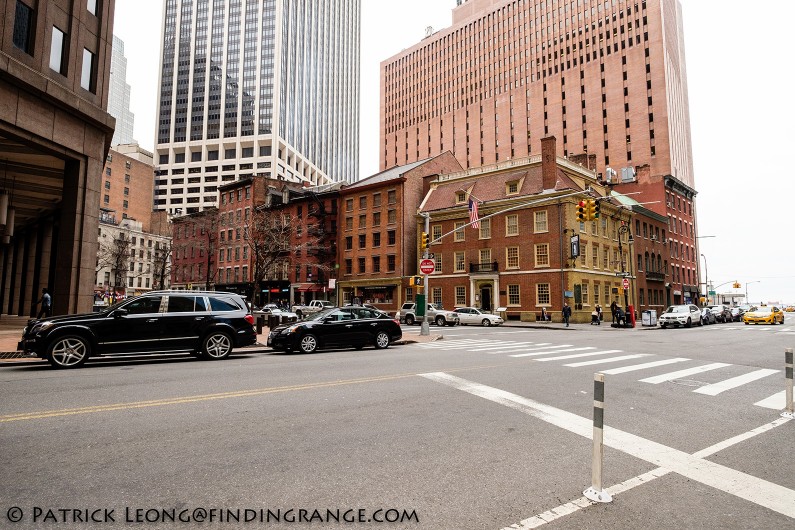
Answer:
x=663 y=326
x=70 y=351
x=308 y=343
x=409 y=320
x=689 y=323
x=486 y=322
x=217 y=345
x=381 y=340
x=746 y=323
x=440 y=321
x=700 y=323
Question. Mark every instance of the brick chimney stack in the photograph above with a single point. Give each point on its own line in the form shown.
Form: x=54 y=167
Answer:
x=549 y=164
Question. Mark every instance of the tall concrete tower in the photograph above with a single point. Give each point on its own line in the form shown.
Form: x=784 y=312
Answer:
x=119 y=95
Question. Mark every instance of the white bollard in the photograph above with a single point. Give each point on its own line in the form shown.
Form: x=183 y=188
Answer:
x=788 y=412
x=596 y=493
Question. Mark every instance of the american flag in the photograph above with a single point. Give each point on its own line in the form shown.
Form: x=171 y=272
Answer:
x=473 y=214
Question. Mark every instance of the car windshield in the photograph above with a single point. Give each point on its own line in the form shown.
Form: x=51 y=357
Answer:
x=764 y=310
x=677 y=309
x=320 y=315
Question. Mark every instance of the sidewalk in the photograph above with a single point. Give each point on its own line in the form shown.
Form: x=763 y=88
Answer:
x=11 y=332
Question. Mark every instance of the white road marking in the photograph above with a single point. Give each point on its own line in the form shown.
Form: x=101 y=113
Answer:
x=609 y=360
x=578 y=504
x=574 y=356
x=634 y=367
x=538 y=346
x=452 y=343
x=550 y=350
x=776 y=402
x=657 y=379
x=504 y=345
x=742 y=485
x=734 y=382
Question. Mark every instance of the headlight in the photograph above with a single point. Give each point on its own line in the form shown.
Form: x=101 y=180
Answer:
x=291 y=329
x=41 y=326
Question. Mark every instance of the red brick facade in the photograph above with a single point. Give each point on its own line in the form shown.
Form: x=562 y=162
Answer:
x=127 y=188
x=193 y=250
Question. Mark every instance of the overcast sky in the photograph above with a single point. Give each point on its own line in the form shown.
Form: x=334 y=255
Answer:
x=741 y=113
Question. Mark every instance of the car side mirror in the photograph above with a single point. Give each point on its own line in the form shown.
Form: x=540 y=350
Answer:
x=119 y=313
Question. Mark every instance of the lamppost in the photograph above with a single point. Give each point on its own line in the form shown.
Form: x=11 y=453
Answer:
x=706 y=277
x=624 y=229
x=746 y=290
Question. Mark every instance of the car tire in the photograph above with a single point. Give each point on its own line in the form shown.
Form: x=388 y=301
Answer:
x=663 y=326
x=486 y=322
x=689 y=323
x=746 y=323
x=700 y=323
x=308 y=343
x=381 y=340
x=69 y=351
x=409 y=320
x=440 y=321
x=216 y=346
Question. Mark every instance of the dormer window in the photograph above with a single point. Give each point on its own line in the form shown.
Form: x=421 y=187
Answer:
x=512 y=188
x=460 y=197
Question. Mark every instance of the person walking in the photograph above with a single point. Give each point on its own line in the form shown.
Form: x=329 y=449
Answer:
x=613 y=307
x=566 y=313
x=598 y=315
x=46 y=304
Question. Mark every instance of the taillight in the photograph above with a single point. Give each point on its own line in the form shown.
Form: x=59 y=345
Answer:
x=396 y=321
x=250 y=319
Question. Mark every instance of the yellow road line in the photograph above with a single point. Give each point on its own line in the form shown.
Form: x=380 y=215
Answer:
x=207 y=397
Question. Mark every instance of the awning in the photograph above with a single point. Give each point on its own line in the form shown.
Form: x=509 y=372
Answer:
x=308 y=288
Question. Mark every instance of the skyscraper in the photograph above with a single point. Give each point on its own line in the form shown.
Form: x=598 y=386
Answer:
x=605 y=78
x=255 y=88
x=119 y=95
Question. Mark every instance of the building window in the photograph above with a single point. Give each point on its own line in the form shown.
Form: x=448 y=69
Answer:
x=391 y=197
x=376 y=218
x=57 y=51
x=584 y=294
x=349 y=243
x=460 y=262
x=606 y=258
x=485 y=229
x=596 y=294
x=436 y=295
x=390 y=237
x=362 y=221
x=437 y=259
x=512 y=188
x=512 y=257
x=92 y=7
x=436 y=233
x=459 y=231
x=23 y=28
x=390 y=263
x=391 y=217
x=125 y=204
x=542 y=294
x=348 y=267
x=348 y=205
x=461 y=197
x=513 y=295
x=542 y=255
x=595 y=256
x=409 y=294
x=376 y=264
x=349 y=223
x=376 y=239
x=485 y=256
x=512 y=225
x=362 y=240
x=460 y=295
x=363 y=203
x=89 y=71
x=376 y=200
x=541 y=222
x=362 y=265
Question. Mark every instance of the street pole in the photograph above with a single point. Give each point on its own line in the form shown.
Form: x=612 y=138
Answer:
x=425 y=327
x=706 y=278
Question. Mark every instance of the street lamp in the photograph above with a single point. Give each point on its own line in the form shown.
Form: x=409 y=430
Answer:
x=706 y=277
x=624 y=229
x=746 y=290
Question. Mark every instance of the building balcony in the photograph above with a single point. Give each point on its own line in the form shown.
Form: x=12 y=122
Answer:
x=655 y=276
x=483 y=267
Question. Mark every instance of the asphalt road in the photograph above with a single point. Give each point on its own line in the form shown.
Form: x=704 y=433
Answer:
x=487 y=428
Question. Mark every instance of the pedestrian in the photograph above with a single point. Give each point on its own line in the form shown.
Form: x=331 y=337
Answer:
x=566 y=313
x=544 y=314
x=613 y=307
x=598 y=315
x=46 y=304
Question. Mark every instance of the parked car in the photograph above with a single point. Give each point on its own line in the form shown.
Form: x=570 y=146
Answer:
x=207 y=324
x=737 y=313
x=312 y=307
x=764 y=315
x=680 y=315
x=276 y=311
x=478 y=317
x=707 y=317
x=435 y=312
x=722 y=313
x=789 y=309
x=352 y=326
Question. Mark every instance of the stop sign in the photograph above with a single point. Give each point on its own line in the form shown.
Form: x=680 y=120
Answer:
x=626 y=283
x=427 y=266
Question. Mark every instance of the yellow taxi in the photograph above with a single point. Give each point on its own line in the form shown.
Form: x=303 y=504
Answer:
x=765 y=315
x=790 y=309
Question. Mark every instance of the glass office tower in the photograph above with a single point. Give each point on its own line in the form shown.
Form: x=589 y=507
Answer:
x=257 y=87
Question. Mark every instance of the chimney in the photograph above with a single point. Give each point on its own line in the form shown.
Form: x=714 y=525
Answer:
x=549 y=164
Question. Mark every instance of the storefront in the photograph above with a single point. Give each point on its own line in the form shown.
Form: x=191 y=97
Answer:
x=274 y=292
x=383 y=296
x=303 y=293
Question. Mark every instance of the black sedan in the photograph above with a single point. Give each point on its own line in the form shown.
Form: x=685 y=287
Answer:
x=335 y=328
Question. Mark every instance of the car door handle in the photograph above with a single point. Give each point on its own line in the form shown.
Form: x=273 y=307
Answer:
x=200 y=318
x=348 y=325
x=151 y=320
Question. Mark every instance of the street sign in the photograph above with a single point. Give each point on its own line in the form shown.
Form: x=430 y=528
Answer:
x=430 y=255
x=626 y=283
x=623 y=274
x=427 y=266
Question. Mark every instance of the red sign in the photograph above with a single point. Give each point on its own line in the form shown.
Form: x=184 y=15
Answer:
x=626 y=283
x=427 y=266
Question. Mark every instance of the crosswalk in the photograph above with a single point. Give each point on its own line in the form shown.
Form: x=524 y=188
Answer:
x=762 y=328
x=591 y=356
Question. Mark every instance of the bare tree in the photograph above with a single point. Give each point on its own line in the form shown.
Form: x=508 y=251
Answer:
x=162 y=264
x=115 y=255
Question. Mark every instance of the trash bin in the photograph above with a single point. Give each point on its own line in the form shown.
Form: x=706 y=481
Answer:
x=649 y=317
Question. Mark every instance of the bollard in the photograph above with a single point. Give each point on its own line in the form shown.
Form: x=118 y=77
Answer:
x=788 y=413
x=596 y=493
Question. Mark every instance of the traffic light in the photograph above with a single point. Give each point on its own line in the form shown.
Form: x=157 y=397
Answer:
x=581 y=213
x=412 y=281
x=736 y=285
x=596 y=209
x=425 y=241
x=418 y=281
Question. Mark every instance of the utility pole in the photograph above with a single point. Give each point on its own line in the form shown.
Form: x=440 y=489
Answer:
x=425 y=327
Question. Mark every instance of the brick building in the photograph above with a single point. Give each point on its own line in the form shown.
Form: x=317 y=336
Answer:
x=378 y=232
x=193 y=250
x=521 y=256
x=128 y=184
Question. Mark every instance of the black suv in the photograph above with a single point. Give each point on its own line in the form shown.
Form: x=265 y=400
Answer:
x=207 y=324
